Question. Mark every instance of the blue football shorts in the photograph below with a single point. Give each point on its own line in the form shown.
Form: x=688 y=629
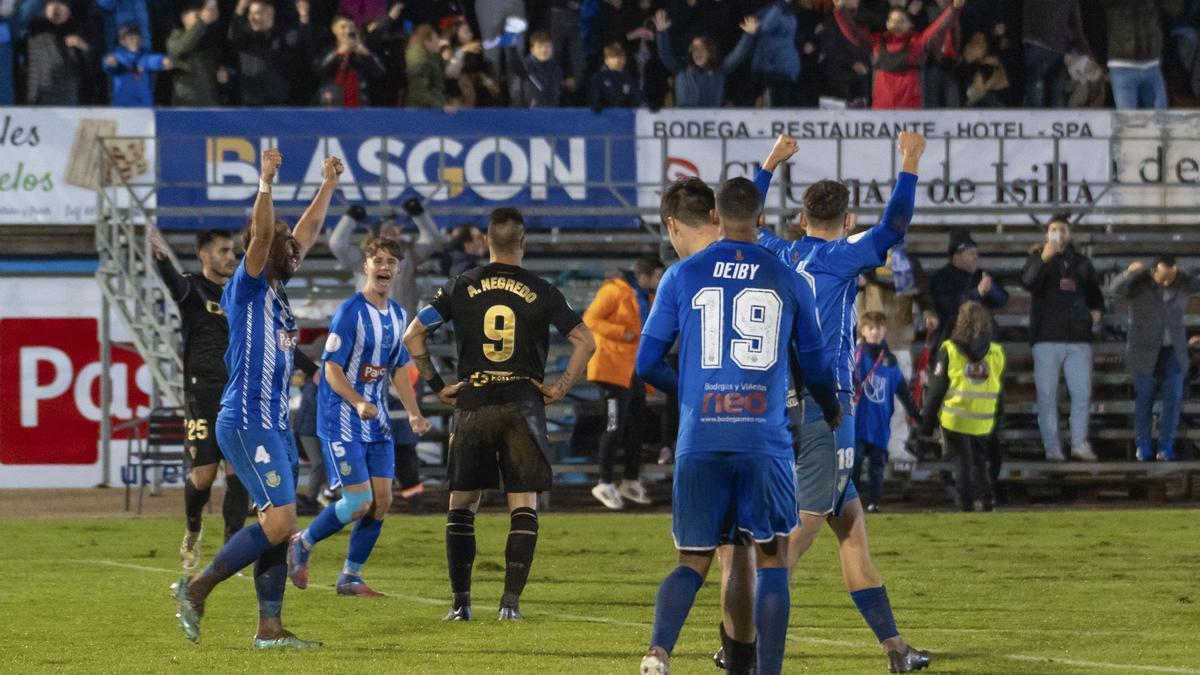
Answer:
x=824 y=461
x=265 y=460
x=725 y=497
x=353 y=463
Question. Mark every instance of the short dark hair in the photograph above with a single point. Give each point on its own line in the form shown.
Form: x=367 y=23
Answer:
x=688 y=200
x=539 y=37
x=645 y=265
x=614 y=49
x=129 y=29
x=1062 y=217
x=739 y=200
x=209 y=236
x=1165 y=259
x=388 y=244
x=826 y=202
x=506 y=228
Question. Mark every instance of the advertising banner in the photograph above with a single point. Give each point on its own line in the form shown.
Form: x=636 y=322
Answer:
x=982 y=164
x=50 y=362
x=50 y=161
x=569 y=159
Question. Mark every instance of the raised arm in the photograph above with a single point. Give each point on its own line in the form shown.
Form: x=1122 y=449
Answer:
x=309 y=225
x=783 y=150
x=844 y=13
x=662 y=42
x=183 y=44
x=1122 y=285
x=583 y=345
x=940 y=25
x=176 y=285
x=741 y=51
x=262 y=217
x=347 y=254
x=430 y=239
x=899 y=211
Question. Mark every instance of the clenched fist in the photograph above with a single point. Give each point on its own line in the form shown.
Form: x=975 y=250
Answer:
x=332 y=168
x=785 y=147
x=912 y=146
x=366 y=410
x=271 y=161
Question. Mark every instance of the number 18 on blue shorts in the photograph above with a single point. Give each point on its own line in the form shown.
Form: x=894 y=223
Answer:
x=353 y=463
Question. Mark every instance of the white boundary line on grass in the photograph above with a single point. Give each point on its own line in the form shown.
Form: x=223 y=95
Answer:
x=599 y=619
x=1098 y=664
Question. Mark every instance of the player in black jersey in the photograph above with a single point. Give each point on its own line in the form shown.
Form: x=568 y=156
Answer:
x=502 y=315
x=205 y=338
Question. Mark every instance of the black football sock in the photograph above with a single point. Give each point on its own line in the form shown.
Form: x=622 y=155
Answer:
x=518 y=554
x=194 y=500
x=740 y=657
x=235 y=506
x=460 y=553
x=270 y=578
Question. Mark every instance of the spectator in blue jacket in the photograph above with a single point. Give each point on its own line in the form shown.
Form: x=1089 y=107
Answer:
x=878 y=382
x=131 y=70
x=775 y=60
x=701 y=82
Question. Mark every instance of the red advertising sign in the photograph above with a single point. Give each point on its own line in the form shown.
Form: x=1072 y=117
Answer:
x=51 y=388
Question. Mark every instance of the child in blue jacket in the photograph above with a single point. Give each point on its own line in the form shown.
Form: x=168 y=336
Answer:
x=877 y=383
x=131 y=70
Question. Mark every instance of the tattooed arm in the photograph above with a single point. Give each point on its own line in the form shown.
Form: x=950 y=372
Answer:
x=415 y=342
x=582 y=347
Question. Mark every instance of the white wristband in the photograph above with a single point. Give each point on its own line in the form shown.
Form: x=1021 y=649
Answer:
x=264 y=186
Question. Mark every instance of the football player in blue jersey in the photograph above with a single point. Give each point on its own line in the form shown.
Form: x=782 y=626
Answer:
x=741 y=317
x=252 y=427
x=831 y=261
x=363 y=353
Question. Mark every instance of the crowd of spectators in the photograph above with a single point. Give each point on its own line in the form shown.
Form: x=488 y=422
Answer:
x=600 y=53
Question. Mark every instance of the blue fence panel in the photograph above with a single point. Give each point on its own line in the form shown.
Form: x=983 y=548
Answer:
x=462 y=164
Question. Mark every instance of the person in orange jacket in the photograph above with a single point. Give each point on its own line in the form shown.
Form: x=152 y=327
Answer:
x=615 y=318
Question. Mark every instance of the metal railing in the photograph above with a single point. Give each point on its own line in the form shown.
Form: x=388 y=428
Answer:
x=131 y=289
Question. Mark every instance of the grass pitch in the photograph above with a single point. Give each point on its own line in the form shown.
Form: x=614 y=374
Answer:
x=1031 y=592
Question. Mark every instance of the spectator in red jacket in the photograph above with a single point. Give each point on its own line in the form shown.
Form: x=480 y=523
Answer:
x=898 y=53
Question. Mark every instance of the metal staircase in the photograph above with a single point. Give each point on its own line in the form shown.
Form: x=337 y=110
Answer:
x=129 y=282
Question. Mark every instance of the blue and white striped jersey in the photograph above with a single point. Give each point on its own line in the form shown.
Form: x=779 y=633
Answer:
x=368 y=345
x=262 y=343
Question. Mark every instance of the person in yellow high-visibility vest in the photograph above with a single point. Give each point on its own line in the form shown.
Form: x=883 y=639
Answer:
x=965 y=397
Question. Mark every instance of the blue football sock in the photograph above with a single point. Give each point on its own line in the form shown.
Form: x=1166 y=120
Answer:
x=873 y=604
x=270 y=577
x=242 y=549
x=362 y=541
x=675 y=598
x=772 y=603
x=326 y=524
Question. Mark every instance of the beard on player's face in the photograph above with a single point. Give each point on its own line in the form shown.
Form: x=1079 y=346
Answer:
x=285 y=256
